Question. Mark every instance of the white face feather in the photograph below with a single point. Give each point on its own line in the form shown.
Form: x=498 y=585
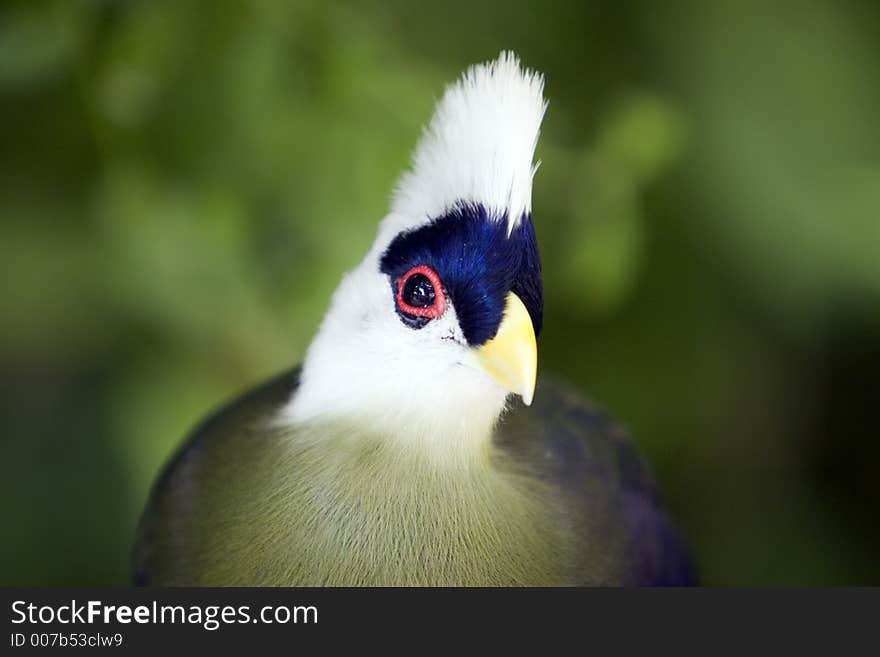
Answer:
x=424 y=386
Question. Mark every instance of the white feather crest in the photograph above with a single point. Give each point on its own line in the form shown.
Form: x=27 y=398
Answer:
x=479 y=145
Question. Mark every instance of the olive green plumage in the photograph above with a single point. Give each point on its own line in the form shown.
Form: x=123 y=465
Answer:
x=558 y=498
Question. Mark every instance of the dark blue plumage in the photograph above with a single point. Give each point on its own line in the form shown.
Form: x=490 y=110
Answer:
x=478 y=262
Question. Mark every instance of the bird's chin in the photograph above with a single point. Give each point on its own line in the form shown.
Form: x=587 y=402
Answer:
x=456 y=411
x=474 y=392
x=481 y=384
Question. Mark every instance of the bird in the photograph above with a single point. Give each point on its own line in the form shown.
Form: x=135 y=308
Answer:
x=414 y=445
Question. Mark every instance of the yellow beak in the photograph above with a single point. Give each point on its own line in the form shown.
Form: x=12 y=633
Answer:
x=511 y=357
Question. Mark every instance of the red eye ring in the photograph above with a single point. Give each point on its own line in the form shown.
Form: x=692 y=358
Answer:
x=431 y=312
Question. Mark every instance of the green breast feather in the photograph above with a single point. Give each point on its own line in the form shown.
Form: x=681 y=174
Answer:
x=246 y=503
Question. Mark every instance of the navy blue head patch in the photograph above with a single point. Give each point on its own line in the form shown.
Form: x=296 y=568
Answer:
x=478 y=264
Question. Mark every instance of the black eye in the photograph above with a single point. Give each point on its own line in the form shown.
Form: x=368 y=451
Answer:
x=418 y=291
x=420 y=296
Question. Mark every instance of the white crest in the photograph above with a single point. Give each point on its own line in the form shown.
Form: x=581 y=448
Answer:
x=479 y=145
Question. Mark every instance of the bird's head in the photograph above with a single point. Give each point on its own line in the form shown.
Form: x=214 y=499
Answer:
x=437 y=325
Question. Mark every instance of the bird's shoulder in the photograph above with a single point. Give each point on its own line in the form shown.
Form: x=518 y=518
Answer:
x=604 y=482
x=173 y=502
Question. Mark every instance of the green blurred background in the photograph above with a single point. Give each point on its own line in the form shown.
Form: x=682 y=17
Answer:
x=183 y=184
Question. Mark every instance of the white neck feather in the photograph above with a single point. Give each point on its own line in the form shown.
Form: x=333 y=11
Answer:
x=409 y=392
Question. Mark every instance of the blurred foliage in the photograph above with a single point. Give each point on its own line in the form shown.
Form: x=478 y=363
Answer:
x=183 y=183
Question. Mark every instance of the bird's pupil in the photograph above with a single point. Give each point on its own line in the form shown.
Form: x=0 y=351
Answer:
x=418 y=291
